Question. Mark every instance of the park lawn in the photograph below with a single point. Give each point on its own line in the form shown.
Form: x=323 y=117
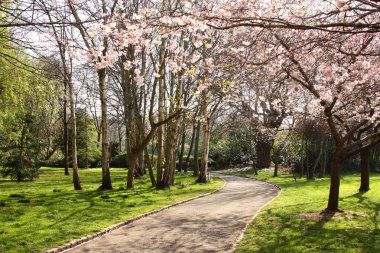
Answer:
x=48 y=212
x=278 y=229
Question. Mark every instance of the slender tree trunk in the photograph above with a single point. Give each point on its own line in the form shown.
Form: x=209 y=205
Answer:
x=173 y=144
x=21 y=154
x=87 y=139
x=65 y=133
x=160 y=134
x=119 y=133
x=319 y=149
x=106 y=177
x=150 y=167
x=196 y=147
x=142 y=164
x=275 y=170
x=364 y=170
x=303 y=156
x=76 y=180
x=191 y=146
x=336 y=165
x=98 y=138
x=170 y=156
x=183 y=133
x=202 y=177
x=322 y=168
x=132 y=162
x=183 y=142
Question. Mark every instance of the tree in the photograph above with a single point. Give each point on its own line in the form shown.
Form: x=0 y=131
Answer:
x=100 y=58
x=61 y=39
x=28 y=122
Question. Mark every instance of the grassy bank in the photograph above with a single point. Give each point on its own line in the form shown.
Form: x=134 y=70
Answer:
x=292 y=223
x=48 y=212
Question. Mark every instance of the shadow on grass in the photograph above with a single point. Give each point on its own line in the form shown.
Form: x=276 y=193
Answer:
x=278 y=229
x=291 y=235
x=373 y=235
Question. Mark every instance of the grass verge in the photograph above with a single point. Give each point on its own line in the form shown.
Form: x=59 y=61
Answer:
x=48 y=212
x=291 y=223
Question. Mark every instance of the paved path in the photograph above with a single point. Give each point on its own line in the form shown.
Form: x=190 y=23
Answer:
x=209 y=224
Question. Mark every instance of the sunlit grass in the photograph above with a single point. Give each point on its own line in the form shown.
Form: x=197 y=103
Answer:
x=277 y=229
x=48 y=212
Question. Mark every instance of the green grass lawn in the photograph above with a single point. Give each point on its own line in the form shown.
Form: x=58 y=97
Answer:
x=48 y=212
x=278 y=228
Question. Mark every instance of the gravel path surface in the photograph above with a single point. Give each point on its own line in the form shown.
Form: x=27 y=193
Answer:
x=210 y=224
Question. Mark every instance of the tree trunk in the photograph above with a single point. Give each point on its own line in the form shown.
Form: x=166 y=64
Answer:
x=183 y=142
x=132 y=162
x=87 y=139
x=263 y=149
x=336 y=165
x=150 y=168
x=170 y=155
x=21 y=154
x=319 y=149
x=202 y=178
x=76 y=180
x=191 y=146
x=196 y=147
x=142 y=163
x=160 y=132
x=65 y=133
x=275 y=170
x=322 y=168
x=364 y=170
x=303 y=155
x=106 y=177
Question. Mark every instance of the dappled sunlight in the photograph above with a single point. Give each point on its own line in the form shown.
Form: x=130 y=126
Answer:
x=55 y=213
x=294 y=220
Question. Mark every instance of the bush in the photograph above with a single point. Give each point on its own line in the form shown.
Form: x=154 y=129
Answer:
x=119 y=161
x=24 y=173
x=227 y=152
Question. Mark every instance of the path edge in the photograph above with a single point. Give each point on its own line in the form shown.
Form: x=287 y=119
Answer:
x=241 y=235
x=76 y=242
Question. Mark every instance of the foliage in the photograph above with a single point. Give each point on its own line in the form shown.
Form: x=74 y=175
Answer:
x=28 y=116
x=278 y=229
x=56 y=214
x=232 y=147
x=20 y=172
x=89 y=153
x=286 y=148
x=120 y=160
x=88 y=150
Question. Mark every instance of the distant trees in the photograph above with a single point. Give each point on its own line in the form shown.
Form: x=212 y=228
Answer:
x=313 y=134
x=231 y=143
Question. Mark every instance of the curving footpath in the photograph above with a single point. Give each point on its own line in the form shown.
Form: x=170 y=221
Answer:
x=213 y=223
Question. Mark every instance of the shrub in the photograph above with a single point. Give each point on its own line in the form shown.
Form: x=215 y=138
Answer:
x=119 y=161
x=20 y=173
